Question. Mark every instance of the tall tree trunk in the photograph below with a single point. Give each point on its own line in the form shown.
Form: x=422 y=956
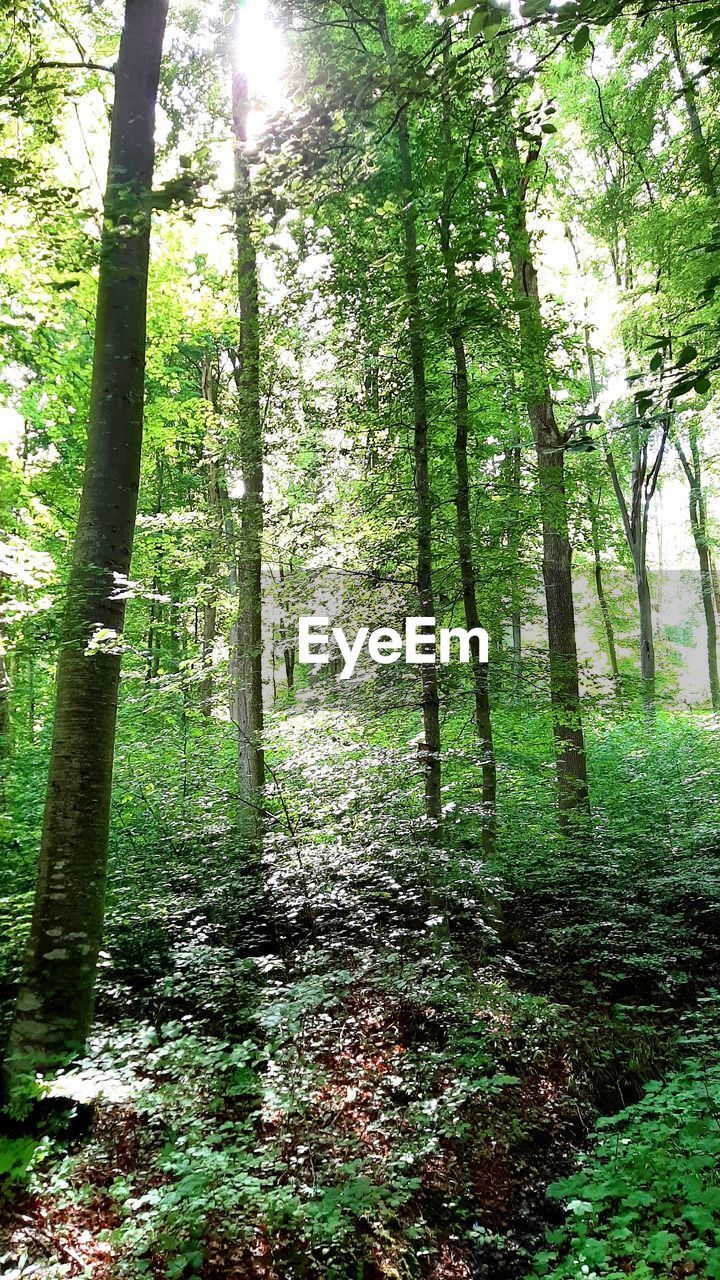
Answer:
x=571 y=763
x=287 y=642
x=249 y=702
x=512 y=534
x=602 y=598
x=702 y=153
x=594 y=507
x=483 y=721
x=416 y=337
x=5 y=717
x=55 y=1002
x=635 y=519
x=208 y=388
x=153 y=635
x=647 y=641
x=698 y=523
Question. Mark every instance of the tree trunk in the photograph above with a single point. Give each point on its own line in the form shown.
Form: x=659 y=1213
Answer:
x=571 y=764
x=411 y=273
x=208 y=388
x=287 y=643
x=54 y=1007
x=702 y=153
x=483 y=721
x=635 y=519
x=513 y=544
x=647 y=643
x=5 y=718
x=249 y=703
x=602 y=600
x=698 y=525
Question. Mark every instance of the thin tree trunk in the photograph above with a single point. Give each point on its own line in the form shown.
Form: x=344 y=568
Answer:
x=702 y=153
x=411 y=272
x=698 y=525
x=714 y=582
x=513 y=544
x=153 y=638
x=208 y=387
x=571 y=763
x=483 y=721
x=5 y=718
x=647 y=642
x=602 y=599
x=635 y=519
x=594 y=508
x=288 y=644
x=249 y=691
x=55 y=1002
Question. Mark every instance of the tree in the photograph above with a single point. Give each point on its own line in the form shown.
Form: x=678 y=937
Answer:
x=416 y=341
x=54 y=1006
x=692 y=466
x=512 y=181
x=483 y=721
x=248 y=641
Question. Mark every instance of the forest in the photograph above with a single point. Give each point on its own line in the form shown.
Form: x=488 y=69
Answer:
x=359 y=961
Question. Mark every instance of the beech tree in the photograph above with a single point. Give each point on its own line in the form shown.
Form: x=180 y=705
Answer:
x=512 y=178
x=248 y=709
x=55 y=1000
x=416 y=343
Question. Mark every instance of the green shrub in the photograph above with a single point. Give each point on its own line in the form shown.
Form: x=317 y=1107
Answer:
x=646 y=1202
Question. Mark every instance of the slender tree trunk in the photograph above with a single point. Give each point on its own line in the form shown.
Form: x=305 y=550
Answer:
x=513 y=544
x=702 y=153
x=698 y=523
x=602 y=600
x=635 y=519
x=571 y=764
x=55 y=1002
x=208 y=387
x=416 y=337
x=647 y=642
x=5 y=718
x=153 y=636
x=714 y=582
x=249 y=699
x=288 y=644
x=635 y=516
x=483 y=721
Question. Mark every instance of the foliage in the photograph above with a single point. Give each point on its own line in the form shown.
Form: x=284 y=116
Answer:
x=646 y=1199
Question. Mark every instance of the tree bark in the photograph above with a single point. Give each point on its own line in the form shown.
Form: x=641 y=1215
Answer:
x=635 y=519
x=416 y=338
x=208 y=388
x=248 y=688
x=512 y=536
x=702 y=153
x=602 y=598
x=483 y=720
x=5 y=716
x=571 y=763
x=698 y=523
x=55 y=1002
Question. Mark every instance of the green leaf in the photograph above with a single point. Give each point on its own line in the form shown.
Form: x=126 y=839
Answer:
x=687 y=355
x=581 y=38
x=458 y=6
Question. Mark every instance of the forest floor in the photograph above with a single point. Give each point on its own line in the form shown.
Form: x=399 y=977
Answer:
x=308 y=1079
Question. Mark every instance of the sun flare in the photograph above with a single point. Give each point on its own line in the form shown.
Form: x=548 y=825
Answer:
x=261 y=53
